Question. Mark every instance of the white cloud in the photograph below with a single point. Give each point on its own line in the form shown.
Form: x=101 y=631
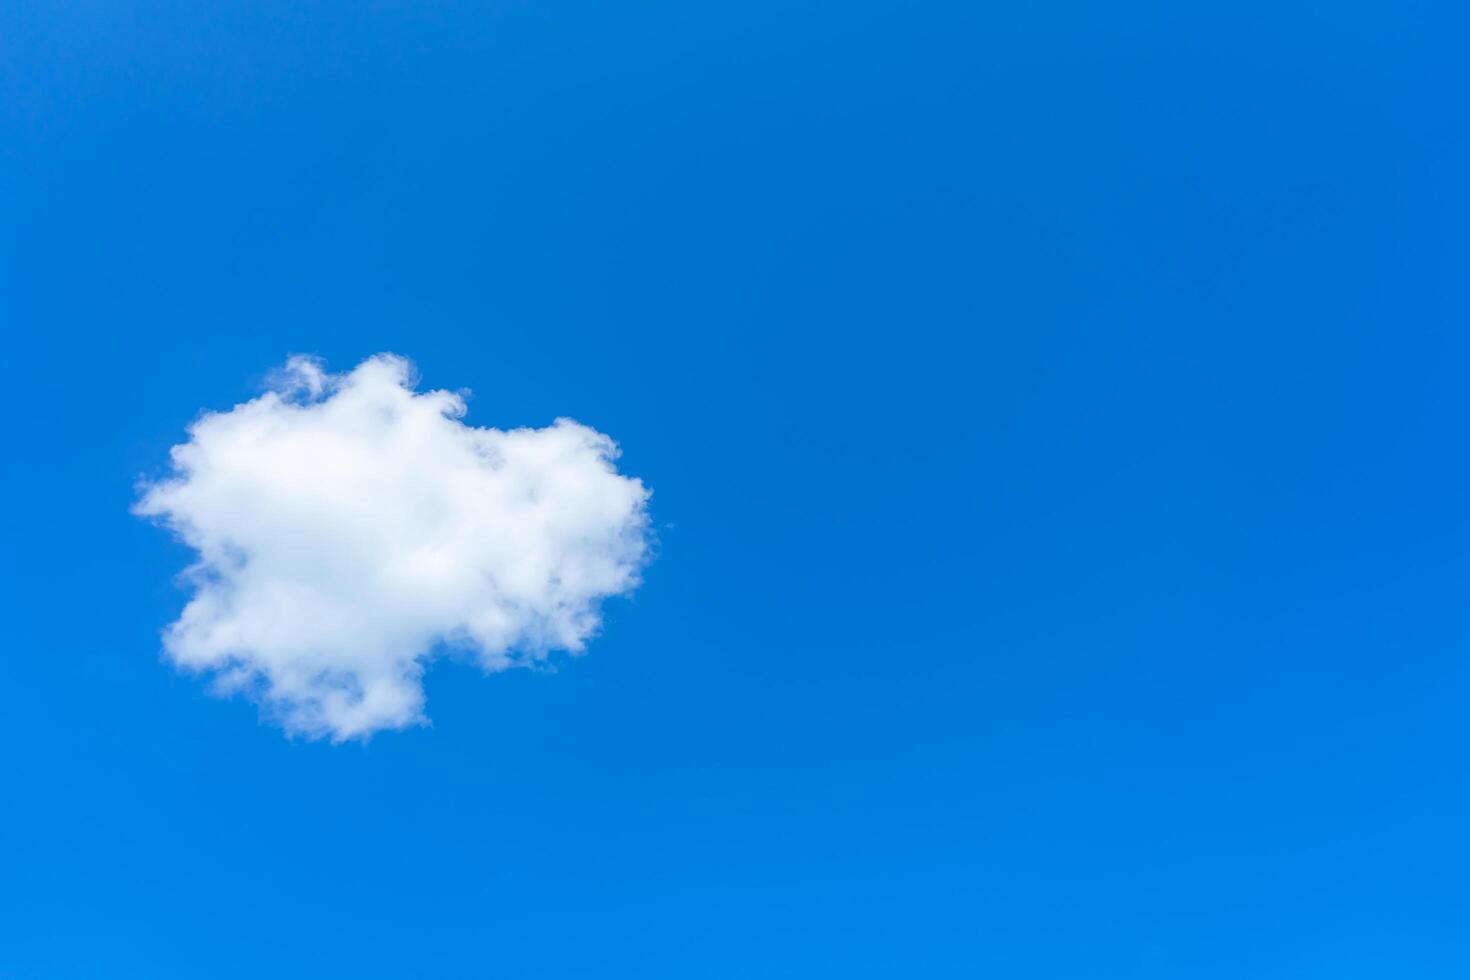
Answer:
x=347 y=526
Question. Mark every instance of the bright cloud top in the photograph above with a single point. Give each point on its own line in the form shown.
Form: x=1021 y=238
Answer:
x=347 y=526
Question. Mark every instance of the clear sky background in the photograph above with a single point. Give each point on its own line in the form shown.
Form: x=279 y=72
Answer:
x=1057 y=422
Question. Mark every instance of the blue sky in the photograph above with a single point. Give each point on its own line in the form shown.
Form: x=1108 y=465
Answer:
x=1055 y=416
